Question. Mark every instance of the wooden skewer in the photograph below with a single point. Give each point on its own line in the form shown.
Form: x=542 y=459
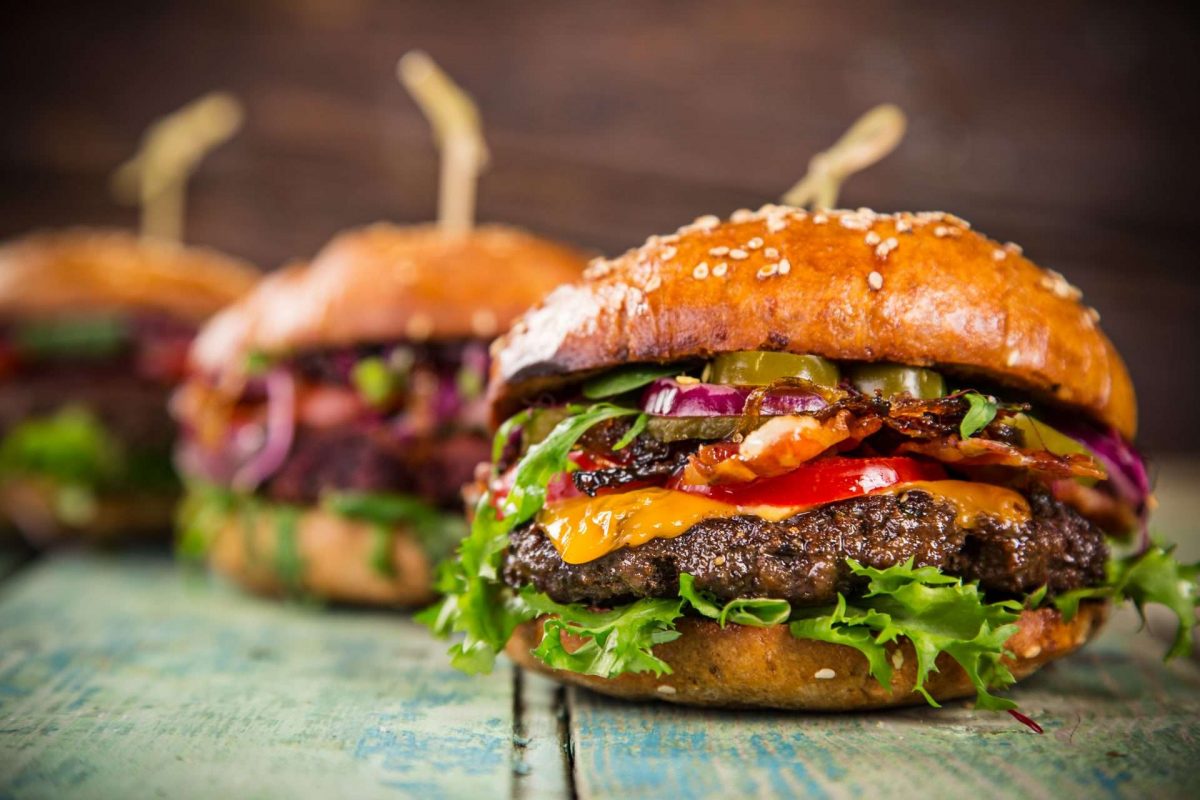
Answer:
x=872 y=137
x=459 y=134
x=171 y=149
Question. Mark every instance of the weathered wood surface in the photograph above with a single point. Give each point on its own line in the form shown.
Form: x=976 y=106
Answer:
x=123 y=678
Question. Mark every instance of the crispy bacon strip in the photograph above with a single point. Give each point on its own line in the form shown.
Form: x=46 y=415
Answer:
x=988 y=452
x=779 y=446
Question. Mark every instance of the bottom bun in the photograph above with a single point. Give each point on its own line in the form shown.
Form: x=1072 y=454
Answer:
x=328 y=556
x=745 y=667
x=30 y=507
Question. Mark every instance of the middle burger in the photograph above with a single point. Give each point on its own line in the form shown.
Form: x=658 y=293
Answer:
x=333 y=414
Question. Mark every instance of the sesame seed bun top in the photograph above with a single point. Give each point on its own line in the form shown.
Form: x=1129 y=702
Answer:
x=386 y=283
x=913 y=288
x=81 y=269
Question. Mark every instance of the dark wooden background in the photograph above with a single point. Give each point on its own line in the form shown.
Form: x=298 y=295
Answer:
x=1070 y=128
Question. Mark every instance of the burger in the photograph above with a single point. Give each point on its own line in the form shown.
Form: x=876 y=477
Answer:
x=331 y=416
x=94 y=331
x=835 y=460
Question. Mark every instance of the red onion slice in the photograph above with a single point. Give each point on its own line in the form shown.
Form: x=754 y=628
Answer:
x=281 y=430
x=669 y=398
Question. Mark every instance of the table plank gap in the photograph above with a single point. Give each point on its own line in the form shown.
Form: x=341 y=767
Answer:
x=541 y=762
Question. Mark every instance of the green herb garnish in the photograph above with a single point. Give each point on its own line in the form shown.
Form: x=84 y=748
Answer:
x=980 y=414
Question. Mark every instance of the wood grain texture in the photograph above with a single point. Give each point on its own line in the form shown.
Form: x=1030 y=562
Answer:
x=1118 y=724
x=1059 y=126
x=119 y=678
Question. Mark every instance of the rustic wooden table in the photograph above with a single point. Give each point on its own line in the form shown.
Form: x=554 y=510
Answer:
x=122 y=676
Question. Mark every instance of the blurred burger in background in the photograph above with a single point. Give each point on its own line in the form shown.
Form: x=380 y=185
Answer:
x=94 y=331
x=332 y=417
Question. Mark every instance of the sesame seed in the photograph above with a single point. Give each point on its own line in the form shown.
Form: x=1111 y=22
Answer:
x=718 y=251
x=1014 y=248
x=707 y=221
x=766 y=271
x=854 y=222
x=719 y=270
x=886 y=247
x=701 y=271
x=776 y=224
x=483 y=322
x=1032 y=651
x=999 y=255
x=1093 y=314
x=771 y=252
x=718 y=561
x=898 y=658
x=686 y=380
x=665 y=689
x=825 y=674
x=741 y=215
x=596 y=269
x=872 y=238
x=738 y=254
x=1013 y=357
x=903 y=226
x=875 y=281
x=941 y=231
x=754 y=243
x=820 y=219
x=419 y=326
x=785 y=266
x=652 y=284
x=669 y=253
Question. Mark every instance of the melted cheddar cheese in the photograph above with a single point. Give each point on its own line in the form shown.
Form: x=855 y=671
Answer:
x=583 y=529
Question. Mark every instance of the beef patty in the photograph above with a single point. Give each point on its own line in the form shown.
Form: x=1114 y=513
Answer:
x=802 y=559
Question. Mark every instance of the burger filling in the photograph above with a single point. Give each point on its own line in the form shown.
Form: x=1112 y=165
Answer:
x=382 y=434
x=854 y=502
x=83 y=415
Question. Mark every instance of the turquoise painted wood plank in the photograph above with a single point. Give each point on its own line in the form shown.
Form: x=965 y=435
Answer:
x=1118 y=724
x=119 y=678
x=542 y=764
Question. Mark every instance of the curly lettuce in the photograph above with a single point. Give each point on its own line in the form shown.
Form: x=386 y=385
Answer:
x=1153 y=576
x=937 y=613
x=475 y=602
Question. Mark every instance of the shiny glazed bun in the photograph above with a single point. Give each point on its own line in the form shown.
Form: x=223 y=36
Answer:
x=84 y=269
x=920 y=289
x=385 y=282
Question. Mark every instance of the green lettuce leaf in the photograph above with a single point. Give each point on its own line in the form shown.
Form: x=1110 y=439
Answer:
x=1150 y=577
x=438 y=531
x=71 y=447
x=937 y=613
x=84 y=337
x=475 y=602
x=758 y=612
x=615 y=641
x=626 y=379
